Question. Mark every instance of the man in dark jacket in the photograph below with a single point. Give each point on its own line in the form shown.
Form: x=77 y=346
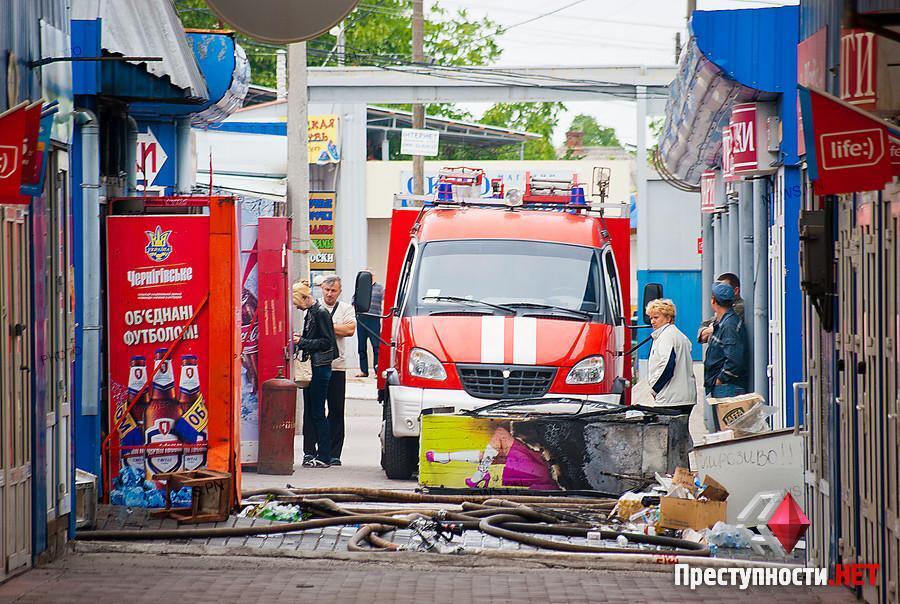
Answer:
x=725 y=365
x=370 y=329
x=317 y=343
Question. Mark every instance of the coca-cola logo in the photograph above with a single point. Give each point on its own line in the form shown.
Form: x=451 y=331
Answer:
x=250 y=333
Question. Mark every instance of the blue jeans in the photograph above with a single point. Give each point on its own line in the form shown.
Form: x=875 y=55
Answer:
x=319 y=443
x=719 y=391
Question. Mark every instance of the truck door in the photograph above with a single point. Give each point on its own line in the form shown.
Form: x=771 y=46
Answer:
x=614 y=295
x=402 y=290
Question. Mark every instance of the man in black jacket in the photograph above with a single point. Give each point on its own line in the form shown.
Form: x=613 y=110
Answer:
x=725 y=365
x=317 y=342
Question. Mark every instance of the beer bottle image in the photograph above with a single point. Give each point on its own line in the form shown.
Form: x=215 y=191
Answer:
x=162 y=446
x=191 y=426
x=131 y=429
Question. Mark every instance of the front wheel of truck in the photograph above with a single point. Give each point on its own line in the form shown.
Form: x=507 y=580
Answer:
x=399 y=456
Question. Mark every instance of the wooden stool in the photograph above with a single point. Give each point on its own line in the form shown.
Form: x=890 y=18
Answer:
x=211 y=494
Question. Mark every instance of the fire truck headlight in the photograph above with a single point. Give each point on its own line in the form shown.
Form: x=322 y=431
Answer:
x=513 y=198
x=425 y=365
x=589 y=371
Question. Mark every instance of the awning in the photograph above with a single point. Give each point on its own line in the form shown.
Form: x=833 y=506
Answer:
x=146 y=28
x=733 y=56
x=848 y=149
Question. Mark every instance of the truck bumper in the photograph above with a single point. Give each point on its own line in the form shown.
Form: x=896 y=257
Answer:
x=408 y=403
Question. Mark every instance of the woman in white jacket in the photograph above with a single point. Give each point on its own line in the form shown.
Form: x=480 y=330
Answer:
x=670 y=368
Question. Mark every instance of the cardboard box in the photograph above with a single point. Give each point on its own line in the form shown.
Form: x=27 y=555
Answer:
x=714 y=491
x=727 y=410
x=681 y=514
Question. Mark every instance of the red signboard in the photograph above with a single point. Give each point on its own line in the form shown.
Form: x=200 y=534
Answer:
x=858 y=71
x=12 y=135
x=851 y=146
x=728 y=174
x=30 y=158
x=894 y=148
x=811 y=66
x=158 y=326
x=274 y=300
x=743 y=137
x=708 y=191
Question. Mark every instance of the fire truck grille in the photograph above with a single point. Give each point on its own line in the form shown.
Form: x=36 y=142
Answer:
x=488 y=381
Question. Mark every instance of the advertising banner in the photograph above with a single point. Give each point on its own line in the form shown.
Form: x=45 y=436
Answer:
x=251 y=210
x=606 y=453
x=324 y=144
x=321 y=230
x=708 y=191
x=158 y=328
x=847 y=148
x=811 y=66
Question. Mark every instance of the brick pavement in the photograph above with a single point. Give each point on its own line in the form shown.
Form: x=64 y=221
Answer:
x=95 y=578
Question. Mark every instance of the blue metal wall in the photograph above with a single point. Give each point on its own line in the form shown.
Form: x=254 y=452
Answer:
x=683 y=288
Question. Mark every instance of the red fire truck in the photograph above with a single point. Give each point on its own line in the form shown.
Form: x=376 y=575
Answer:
x=522 y=295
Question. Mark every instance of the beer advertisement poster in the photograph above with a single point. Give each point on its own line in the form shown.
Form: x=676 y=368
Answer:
x=158 y=278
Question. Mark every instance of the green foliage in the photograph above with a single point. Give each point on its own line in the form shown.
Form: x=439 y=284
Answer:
x=375 y=35
x=380 y=34
x=539 y=118
x=595 y=135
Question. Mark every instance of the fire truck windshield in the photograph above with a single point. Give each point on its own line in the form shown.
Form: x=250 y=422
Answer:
x=534 y=278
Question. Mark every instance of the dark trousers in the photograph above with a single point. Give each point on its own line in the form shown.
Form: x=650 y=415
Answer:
x=337 y=392
x=316 y=433
x=369 y=330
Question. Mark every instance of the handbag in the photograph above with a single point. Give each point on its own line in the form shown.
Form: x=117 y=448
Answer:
x=302 y=371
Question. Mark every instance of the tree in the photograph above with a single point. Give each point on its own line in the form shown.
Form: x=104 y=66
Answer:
x=374 y=35
x=595 y=135
x=539 y=118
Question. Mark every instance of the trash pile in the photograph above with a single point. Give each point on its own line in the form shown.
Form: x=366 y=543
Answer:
x=131 y=489
x=682 y=505
x=274 y=510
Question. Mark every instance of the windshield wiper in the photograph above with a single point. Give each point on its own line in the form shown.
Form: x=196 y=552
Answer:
x=505 y=309
x=580 y=313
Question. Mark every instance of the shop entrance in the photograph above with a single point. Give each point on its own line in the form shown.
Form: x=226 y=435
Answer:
x=15 y=393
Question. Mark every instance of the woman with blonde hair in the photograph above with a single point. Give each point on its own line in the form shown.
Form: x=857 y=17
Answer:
x=670 y=370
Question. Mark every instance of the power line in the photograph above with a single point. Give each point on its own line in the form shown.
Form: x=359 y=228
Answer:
x=541 y=16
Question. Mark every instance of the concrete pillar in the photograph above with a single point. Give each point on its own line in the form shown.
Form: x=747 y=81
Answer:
x=734 y=235
x=351 y=224
x=707 y=264
x=761 y=286
x=643 y=230
x=745 y=274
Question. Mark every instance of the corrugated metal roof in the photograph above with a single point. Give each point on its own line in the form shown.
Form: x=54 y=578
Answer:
x=147 y=28
x=733 y=56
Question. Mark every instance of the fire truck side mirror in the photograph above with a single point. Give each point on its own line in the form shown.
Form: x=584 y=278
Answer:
x=652 y=291
x=362 y=295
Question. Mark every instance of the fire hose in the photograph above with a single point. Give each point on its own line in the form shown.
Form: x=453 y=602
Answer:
x=506 y=518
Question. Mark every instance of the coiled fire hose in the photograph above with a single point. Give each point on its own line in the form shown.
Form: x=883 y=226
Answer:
x=508 y=518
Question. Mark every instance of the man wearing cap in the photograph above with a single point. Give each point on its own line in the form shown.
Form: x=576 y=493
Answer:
x=725 y=365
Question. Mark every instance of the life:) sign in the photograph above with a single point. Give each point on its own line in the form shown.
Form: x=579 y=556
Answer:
x=853 y=149
x=851 y=145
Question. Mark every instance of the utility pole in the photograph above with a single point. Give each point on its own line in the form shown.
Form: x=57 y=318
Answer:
x=298 y=161
x=418 y=110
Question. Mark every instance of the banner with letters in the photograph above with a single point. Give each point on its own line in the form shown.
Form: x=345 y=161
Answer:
x=158 y=281
x=321 y=230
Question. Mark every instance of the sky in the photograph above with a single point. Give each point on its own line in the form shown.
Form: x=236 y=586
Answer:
x=592 y=32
